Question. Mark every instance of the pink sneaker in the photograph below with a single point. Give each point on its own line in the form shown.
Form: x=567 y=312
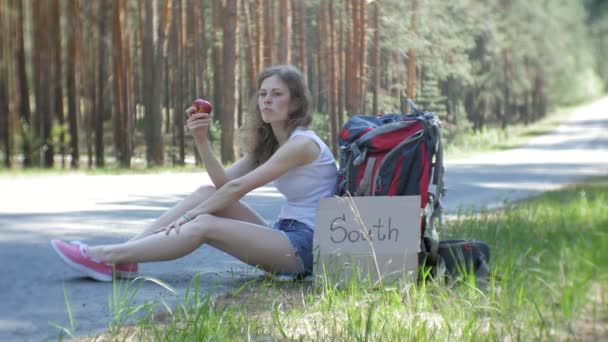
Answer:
x=126 y=270
x=76 y=255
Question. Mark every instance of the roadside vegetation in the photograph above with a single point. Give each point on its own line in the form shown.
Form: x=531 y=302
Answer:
x=549 y=282
x=490 y=138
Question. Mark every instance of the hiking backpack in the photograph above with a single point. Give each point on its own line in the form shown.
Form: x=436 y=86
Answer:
x=401 y=155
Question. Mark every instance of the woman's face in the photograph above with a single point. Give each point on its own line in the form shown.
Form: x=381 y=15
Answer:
x=274 y=100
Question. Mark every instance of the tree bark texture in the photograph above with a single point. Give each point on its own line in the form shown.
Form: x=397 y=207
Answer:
x=231 y=87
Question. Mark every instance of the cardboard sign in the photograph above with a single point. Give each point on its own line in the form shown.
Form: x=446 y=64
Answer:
x=376 y=237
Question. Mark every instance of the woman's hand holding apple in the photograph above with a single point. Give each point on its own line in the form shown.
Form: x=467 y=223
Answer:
x=199 y=119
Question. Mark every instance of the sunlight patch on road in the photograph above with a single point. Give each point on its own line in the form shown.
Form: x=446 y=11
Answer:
x=531 y=186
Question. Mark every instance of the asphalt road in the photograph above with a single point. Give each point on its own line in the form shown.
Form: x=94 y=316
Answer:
x=103 y=209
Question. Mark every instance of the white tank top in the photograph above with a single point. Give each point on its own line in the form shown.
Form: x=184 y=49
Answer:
x=305 y=185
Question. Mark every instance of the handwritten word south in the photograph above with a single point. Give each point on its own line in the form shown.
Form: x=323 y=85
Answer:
x=380 y=231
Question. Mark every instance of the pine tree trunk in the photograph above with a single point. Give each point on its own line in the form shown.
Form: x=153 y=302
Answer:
x=322 y=72
x=351 y=60
x=539 y=99
x=361 y=92
x=87 y=78
x=411 y=58
x=231 y=72
x=72 y=86
x=182 y=89
x=299 y=9
x=285 y=32
x=375 y=54
x=57 y=74
x=506 y=88
x=25 y=115
x=268 y=33
x=121 y=126
x=5 y=121
x=251 y=53
x=200 y=51
x=152 y=118
x=341 y=70
x=129 y=98
x=333 y=73
x=101 y=108
x=259 y=36
x=217 y=60
x=42 y=59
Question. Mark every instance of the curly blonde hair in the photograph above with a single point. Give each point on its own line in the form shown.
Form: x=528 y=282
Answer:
x=257 y=136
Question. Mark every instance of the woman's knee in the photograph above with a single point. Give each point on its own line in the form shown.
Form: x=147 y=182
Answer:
x=202 y=226
x=205 y=190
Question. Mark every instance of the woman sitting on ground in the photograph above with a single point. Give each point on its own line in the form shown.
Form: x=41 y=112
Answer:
x=282 y=149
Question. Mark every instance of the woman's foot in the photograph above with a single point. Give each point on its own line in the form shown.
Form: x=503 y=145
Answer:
x=76 y=255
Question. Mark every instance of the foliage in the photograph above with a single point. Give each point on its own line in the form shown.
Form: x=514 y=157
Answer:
x=320 y=124
x=494 y=62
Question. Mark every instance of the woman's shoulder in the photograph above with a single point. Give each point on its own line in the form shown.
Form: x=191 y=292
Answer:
x=303 y=131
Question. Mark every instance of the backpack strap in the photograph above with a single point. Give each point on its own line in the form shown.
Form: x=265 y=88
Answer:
x=435 y=205
x=364 y=189
x=438 y=172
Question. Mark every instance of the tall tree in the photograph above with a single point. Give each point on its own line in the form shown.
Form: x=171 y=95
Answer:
x=259 y=35
x=72 y=85
x=218 y=63
x=57 y=74
x=284 y=56
x=231 y=81
x=411 y=56
x=299 y=10
x=342 y=68
x=351 y=63
x=268 y=35
x=332 y=56
x=322 y=75
x=101 y=109
x=5 y=121
x=153 y=54
x=362 y=73
x=42 y=59
x=200 y=51
x=375 y=54
x=251 y=53
x=24 y=92
x=121 y=128
x=87 y=77
x=127 y=93
x=506 y=89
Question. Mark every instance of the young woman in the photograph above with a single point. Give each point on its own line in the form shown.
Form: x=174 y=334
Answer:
x=280 y=148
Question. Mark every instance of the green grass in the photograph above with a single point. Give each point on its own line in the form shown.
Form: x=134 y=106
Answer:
x=549 y=282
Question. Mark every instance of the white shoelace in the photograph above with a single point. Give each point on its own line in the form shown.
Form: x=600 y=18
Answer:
x=84 y=250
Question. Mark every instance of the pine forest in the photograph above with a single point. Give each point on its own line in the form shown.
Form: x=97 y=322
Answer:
x=104 y=83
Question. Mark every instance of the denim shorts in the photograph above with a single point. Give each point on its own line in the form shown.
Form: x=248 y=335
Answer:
x=300 y=236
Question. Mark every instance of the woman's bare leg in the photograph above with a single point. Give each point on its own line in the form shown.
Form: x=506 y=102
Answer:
x=253 y=244
x=238 y=211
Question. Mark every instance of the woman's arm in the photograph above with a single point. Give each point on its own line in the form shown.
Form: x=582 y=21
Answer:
x=296 y=152
x=220 y=176
x=198 y=125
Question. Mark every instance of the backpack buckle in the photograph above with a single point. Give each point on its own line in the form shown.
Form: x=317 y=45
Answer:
x=358 y=154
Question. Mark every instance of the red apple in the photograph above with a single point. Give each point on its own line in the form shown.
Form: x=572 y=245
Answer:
x=202 y=106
